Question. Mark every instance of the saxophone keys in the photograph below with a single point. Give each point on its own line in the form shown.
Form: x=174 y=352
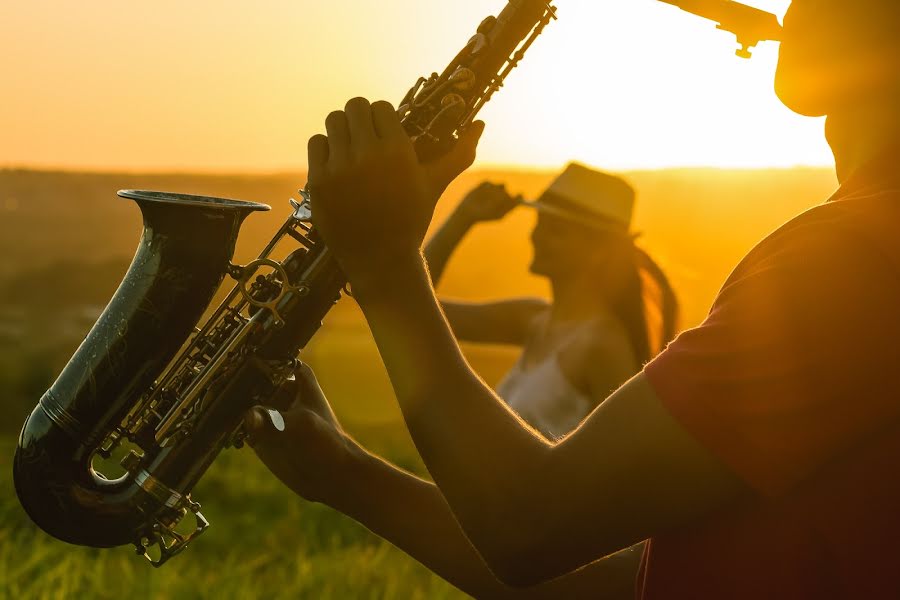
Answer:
x=302 y=210
x=463 y=79
x=131 y=461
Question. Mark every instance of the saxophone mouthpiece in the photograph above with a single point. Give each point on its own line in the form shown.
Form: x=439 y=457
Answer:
x=750 y=25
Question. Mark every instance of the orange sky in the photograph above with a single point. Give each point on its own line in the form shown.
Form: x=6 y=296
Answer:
x=241 y=85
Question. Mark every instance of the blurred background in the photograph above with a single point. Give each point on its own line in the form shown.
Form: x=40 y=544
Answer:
x=219 y=99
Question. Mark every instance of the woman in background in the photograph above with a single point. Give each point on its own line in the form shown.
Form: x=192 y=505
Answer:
x=612 y=307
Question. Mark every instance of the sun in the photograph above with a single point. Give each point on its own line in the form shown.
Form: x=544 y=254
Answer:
x=644 y=85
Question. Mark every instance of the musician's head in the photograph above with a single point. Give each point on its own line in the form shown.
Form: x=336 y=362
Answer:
x=838 y=54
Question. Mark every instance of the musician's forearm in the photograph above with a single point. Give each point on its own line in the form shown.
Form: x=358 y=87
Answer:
x=412 y=514
x=480 y=454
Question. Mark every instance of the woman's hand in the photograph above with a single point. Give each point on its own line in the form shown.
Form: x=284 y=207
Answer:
x=372 y=199
x=487 y=202
x=313 y=453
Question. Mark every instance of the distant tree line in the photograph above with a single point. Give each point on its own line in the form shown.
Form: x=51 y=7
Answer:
x=44 y=314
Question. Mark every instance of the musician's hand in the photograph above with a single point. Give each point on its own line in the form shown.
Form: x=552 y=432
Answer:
x=372 y=198
x=313 y=452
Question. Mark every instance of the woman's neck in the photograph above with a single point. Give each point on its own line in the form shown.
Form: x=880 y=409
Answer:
x=857 y=135
x=578 y=299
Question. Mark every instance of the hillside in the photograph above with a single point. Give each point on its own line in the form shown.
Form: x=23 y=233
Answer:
x=66 y=239
x=698 y=222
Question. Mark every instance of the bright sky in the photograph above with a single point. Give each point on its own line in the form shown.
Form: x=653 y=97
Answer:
x=241 y=85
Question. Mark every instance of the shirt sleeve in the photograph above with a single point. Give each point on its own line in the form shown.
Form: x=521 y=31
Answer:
x=793 y=365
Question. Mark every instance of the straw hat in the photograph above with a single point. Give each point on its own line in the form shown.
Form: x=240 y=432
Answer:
x=590 y=197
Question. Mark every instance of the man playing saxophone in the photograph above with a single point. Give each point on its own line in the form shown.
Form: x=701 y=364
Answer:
x=757 y=453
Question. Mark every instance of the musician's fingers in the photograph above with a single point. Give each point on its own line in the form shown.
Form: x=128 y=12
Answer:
x=338 y=136
x=287 y=395
x=359 y=119
x=265 y=425
x=253 y=423
x=273 y=445
x=260 y=423
x=309 y=393
x=317 y=154
x=387 y=122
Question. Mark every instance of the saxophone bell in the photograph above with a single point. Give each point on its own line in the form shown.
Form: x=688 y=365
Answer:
x=181 y=260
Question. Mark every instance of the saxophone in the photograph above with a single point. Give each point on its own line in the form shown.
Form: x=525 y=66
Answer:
x=111 y=452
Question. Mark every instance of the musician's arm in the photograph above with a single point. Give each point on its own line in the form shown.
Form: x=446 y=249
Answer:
x=445 y=240
x=534 y=510
x=317 y=459
x=411 y=514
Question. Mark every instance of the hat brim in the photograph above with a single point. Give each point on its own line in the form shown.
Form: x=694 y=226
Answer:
x=576 y=217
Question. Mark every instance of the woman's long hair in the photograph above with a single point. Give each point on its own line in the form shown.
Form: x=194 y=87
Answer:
x=644 y=302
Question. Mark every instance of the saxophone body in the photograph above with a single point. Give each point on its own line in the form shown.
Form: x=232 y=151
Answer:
x=112 y=450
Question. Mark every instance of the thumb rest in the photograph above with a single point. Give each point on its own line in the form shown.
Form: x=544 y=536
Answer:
x=149 y=390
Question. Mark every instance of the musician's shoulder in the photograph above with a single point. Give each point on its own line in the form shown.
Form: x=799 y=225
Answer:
x=833 y=233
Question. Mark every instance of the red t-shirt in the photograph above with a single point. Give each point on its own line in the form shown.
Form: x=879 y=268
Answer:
x=793 y=381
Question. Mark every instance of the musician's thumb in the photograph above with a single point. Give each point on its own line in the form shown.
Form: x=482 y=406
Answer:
x=460 y=157
x=467 y=146
x=261 y=422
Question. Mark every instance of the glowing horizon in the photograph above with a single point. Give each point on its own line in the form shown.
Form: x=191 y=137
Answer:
x=233 y=87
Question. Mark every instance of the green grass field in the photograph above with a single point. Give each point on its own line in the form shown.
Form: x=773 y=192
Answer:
x=264 y=542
